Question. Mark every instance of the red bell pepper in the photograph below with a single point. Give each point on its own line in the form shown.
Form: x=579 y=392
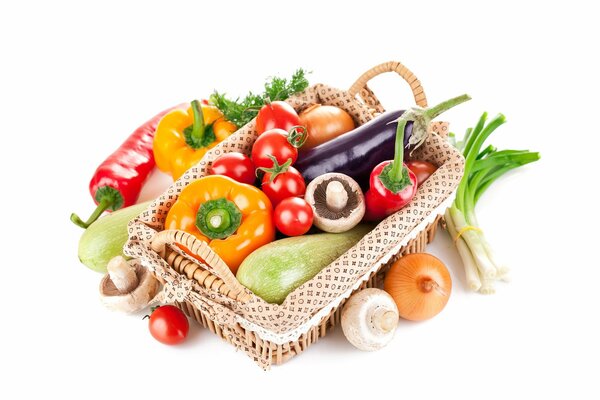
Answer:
x=118 y=181
x=392 y=183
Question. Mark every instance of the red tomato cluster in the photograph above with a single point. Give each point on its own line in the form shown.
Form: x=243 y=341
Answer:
x=274 y=152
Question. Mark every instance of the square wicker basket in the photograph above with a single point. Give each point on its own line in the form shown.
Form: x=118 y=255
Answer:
x=203 y=286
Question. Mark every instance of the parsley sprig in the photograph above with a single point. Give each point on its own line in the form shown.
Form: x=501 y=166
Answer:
x=242 y=111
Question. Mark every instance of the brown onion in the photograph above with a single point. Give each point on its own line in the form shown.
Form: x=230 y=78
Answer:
x=324 y=123
x=420 y=284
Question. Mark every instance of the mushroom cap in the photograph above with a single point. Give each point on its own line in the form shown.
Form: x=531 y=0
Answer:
x=133 y=301
x=329 y=219
x=369 y=319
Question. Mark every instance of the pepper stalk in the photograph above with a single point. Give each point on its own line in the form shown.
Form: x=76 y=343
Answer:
x=395 y=176
x=199 y=134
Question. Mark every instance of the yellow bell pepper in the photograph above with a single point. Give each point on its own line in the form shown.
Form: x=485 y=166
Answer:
x=183 y=137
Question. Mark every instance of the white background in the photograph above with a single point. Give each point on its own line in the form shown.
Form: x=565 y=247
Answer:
x=77 y=78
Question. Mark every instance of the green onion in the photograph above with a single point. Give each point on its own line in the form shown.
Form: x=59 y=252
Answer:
x=482 y=168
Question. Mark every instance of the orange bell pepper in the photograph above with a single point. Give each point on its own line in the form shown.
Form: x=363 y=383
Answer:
x=183 y=137
x=233 y=218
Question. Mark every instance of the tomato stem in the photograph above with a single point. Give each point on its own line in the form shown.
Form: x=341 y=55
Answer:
x=276 y=169
x=297 y=136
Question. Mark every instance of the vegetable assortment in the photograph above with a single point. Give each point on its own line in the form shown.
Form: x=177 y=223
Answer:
x=354 y=153
x=306 y=193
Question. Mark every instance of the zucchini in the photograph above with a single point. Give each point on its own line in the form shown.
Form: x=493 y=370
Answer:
x=274 y=270
x=105 y=238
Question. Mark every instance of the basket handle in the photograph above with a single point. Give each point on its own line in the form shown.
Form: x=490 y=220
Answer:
x=360 y=86
x=199 y=249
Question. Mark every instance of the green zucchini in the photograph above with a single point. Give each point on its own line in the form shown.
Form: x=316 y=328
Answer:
x=105 y=238
x=274 y=270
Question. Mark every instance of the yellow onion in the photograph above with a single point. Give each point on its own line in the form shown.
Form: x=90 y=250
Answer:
x=324 y=123
x=420 y=284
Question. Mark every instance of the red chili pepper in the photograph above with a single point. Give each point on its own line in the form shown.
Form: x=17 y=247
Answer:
x=392 y=183
x=381 y=201
x=118 y=181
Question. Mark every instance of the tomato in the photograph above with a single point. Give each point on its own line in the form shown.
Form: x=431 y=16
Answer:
x=278 y=144
x=422 y=169
x=293 y=216
x=276 y=115
x=169 y=325
x=237 y=166
x=288 y=182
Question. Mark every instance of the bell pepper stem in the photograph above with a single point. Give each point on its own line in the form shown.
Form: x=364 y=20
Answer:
x=198 y=127
x=104 y=204
x=436 y=110
x=396 y=172
x=218 y=219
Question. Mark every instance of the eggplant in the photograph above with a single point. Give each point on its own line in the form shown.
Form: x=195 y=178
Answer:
x=355 y=153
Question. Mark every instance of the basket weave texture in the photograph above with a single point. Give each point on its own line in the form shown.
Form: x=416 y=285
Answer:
x=205 y=288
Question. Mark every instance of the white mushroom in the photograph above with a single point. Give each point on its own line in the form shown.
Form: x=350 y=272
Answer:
x=369 y=319
x=127 y=287
x=338 y=203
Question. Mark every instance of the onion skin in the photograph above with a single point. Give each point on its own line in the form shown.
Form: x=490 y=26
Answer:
x=420 y=284
x=324 y=123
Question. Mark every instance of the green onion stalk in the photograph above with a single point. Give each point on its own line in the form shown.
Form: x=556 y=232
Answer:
x=482 y=168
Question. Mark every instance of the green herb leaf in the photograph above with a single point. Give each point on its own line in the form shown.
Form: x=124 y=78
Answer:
x=242 y=111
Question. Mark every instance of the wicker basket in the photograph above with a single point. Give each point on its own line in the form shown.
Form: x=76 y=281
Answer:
x=204 y=287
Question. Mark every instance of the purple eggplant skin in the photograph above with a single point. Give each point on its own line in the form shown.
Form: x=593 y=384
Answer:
x=355 y=153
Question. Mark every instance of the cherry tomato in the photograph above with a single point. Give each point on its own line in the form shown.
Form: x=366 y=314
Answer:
x=422 y=169
x=237 y=166
x=279 y=144
x=169 y=325
x=277 y=114
x=293 y=216
x=288 y=182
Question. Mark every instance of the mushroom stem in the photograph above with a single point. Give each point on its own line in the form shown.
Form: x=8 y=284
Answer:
x=336 y=196
x=384 y=319
x=122 y=274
